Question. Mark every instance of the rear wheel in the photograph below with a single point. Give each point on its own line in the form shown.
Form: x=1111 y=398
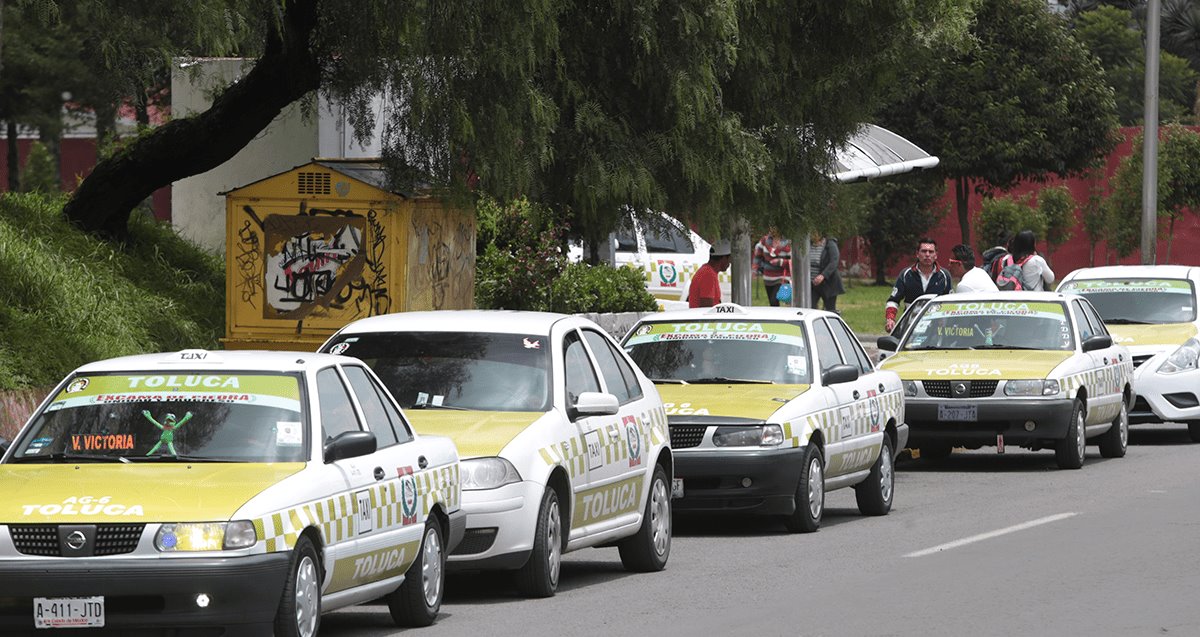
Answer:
x=1069 y=451
x=810 y=494
x=539 y=576
x=419 y=598
x=299 y=613
x=874 y=495
x=1115 y=441
x=648 y=549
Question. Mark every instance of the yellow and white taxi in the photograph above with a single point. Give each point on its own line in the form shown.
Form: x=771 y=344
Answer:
x=228 y=492
x=1151 y=309
x=1032 y=369
x=770 y=408
x=564 y=441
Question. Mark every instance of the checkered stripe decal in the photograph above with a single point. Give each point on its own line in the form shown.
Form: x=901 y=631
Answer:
x=1104 y=380
x=572 y=453
x=684 y=271
x=797 y=432
x=439 y=485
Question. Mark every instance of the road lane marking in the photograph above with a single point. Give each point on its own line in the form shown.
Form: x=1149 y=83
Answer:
x=991 y=534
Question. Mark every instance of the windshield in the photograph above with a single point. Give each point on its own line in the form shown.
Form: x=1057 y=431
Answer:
x=457 y=370
x=194 y=416
x=992 y=325
x=1135 y=301
x=753 y=351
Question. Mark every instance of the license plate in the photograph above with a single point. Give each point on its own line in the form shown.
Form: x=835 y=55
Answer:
x=960 y=413
x=677 y=487
x=68 y=612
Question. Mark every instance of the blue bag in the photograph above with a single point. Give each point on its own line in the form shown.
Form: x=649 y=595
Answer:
x=784 y=295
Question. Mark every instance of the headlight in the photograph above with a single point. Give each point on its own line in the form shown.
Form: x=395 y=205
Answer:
x=748 y=436
x=1031 y=388
x=910 y=388
x=205 y=536
x=1182 y=359
x=487 y=473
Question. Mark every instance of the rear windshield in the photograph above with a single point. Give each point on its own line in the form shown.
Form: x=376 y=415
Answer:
x=1138 y=301
x=457 y=370
x=197 y=416
x=992 y=325
x=719 y=351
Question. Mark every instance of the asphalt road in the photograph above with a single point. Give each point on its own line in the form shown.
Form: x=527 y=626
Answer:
x=978 y=544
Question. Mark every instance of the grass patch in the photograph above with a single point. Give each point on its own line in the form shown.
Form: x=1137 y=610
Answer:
x=861 y=306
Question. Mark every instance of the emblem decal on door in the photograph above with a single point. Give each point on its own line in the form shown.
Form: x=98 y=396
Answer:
x=633 y=438
x=408 y=496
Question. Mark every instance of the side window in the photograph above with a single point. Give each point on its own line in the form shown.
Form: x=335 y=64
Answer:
x=1086 y=330
x=827 y=351
x=1097 y=323
x=579 y=375
x=613 y=377
x=337 y=412
x=631 y=380
x=666 y=238
x=379 y=422
x=851 y=349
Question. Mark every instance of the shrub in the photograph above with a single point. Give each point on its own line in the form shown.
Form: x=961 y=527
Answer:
x=1007 y=215
x=600 y=288
x=40 y=174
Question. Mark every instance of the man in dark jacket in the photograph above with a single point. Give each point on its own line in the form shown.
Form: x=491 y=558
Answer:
x=924 y=277
x=823 y=270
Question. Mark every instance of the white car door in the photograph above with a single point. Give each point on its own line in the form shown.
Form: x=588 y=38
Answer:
x=839 y=439
x=578 y=377
x=1106 y=390
x=866 y=430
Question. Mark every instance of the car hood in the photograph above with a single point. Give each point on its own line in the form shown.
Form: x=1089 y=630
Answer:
x=740 y=400
x=982 y=364
x=1165 y=334
x=145 y=492
x=475 y=433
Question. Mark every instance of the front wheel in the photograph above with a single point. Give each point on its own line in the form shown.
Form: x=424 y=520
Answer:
x=419 y=598
x=648 y=549
x=539 y=576
x=1069 y=451
x=1115 y=441
x=299 y=613
x=874 y=495
x=810 y=494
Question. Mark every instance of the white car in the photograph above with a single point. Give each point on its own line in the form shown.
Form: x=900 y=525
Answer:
x=1152 y=310
x=564 y=441
x=770 y=408
x=227 y=492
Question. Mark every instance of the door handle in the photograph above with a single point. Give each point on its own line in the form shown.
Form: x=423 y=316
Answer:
x=378 y=473
x=856 y=394
x=422 y=462
x=881 y=389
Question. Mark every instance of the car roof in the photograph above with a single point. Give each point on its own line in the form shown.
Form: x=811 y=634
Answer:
x=733 y=311
x=223 y=361
x=486 y=321
x=1124 y=271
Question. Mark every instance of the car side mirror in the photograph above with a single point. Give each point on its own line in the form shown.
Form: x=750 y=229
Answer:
x=350 y=444
x=593 y=403
x=1099 y=341
x=888 y=343
x=839 y=374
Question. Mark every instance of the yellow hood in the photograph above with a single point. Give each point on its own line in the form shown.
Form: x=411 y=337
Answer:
x=981 y=364
x=1168 y=334
x=144 y=492
x=475 y=433
x=743 y=401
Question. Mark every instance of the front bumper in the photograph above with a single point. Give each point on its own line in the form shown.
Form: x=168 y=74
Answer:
x=500 y=524
x=713 y=480
x=1164 y=397
x=149 y=596
x=1007 y=417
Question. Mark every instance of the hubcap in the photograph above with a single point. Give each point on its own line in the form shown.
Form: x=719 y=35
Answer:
x=660 y=517
x=1081 y=437
x=553 y=541
x=816 y=488
x=886 y=477
x=431 y=569
x=1123 y=427
x=308 y=598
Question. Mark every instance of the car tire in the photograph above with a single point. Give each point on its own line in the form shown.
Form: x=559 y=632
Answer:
x=874 y=495
x=418 y=600
x=299 y=613
x=936 y=451
x=539 y=576
x=1069 y=451
x=1194 y=430
x=810 y=494
x=648 y=549
x=1115 y=441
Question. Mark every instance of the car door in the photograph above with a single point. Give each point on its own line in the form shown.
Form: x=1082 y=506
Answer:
x=624 y=435
x=578 y=377
x=865 y=431
x=1111 y=368
x=839 y=399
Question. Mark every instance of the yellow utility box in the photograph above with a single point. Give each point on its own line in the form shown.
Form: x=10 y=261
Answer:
x=323 y=244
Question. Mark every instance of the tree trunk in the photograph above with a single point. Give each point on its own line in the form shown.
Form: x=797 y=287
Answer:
x=962 y=194
x=287 y=71
x=14 y=157
x=1170 y=235
x=1092 y=254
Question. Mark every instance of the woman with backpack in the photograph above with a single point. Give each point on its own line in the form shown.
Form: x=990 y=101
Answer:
x=1036 y=274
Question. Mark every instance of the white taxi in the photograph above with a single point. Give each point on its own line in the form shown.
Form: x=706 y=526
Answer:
x=1152 y=310
x=564 y=441
x=770 y=408
x=1032 y=369
x=236 y=491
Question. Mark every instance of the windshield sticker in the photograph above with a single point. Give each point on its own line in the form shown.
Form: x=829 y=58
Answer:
x=797 y=364
x=168 y=426
x=263 y=390
x=1151 y=286
x=339 y=348
x=288 y=433
x=422 y=399
x=994 y=308
x=531 y=343
x=783 y=333
x=78 y=385
x=38 y=443
x=55 y=406
x=101 y=442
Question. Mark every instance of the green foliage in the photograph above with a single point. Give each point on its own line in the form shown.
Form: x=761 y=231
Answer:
x=1056 y=207
x=40 y=175
x=600 y=288
x=1123 y=209
x=1095 y=221
x=1178 y=188
x=67 y=298
x=1007 y=215
x=900 y=212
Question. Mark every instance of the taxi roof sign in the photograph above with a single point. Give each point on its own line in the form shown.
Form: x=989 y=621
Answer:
x=727 y=308
x=192 y=356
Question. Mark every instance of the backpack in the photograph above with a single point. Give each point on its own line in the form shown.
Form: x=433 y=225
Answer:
x=1009 y=277
x=991 y=261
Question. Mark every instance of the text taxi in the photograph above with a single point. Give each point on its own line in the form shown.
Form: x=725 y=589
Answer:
x=1033 y=369
x=564 y=441
x=769 y=408
x=1152 y=310
x=243 y=492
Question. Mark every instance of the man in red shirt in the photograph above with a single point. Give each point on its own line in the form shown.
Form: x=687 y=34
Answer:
x=705 y=290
